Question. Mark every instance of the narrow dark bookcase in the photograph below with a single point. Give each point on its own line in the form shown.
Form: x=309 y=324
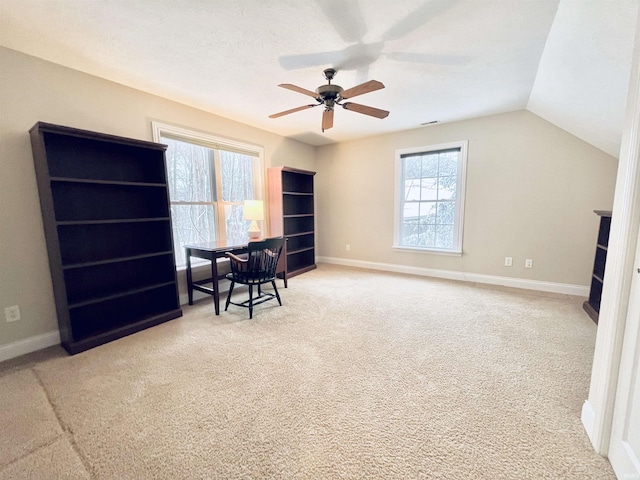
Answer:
x=291 y=214
x=592 y=304
x=106 y=216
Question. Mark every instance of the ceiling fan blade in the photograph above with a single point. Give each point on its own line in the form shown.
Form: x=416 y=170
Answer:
x=373 y=112
x=293 y=110
x=295 y=88
x=327 y=119
x=366 y=87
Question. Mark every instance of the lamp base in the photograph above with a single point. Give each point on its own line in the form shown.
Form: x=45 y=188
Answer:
x=254 y=230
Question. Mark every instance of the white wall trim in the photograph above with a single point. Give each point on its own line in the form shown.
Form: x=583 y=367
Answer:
x=28 y=345
x=588 y=418
x=563 y=288
x=625 y=222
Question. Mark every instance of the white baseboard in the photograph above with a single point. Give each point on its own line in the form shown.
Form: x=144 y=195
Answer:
x=564 y=288
x=588 y=418
x=28 y=345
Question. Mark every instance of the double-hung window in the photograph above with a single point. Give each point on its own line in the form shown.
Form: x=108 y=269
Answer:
x=209 y=180
x=430 y=184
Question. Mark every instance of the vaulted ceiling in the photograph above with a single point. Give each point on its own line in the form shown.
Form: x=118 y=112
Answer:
x=567 y=61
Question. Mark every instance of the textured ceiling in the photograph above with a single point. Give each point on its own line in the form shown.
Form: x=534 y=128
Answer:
x=440 y=60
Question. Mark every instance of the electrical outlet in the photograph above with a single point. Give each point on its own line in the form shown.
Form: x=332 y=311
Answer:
x=348 y=247
x=528 y=263
x=508 y=261
x=12 y=314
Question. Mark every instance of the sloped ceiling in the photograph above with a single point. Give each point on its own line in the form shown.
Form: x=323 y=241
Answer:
x=567 y=61
x=583 y=75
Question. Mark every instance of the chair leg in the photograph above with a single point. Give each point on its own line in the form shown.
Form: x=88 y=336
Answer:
x=229 y=295
x=250 y=302
x=275 y=289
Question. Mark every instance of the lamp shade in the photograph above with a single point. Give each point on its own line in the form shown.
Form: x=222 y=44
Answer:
x=253 y=210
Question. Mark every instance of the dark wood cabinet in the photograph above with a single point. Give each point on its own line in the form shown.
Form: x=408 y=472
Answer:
x=105 y=209
x=291 y=214
x=592 y=305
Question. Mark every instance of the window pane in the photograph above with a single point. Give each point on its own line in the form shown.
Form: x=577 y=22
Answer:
x=444 y=236
x=429 y=189
x=412 y=189
x=427 y=235
x=192 y=224
x=411 y=233
x=449 y=163
x=430 y=165
x=189 y=171
x=446 y=188
x=237 y=177
x=411 y=211
x=446 y=213
x=427 y=213
x=412 y=167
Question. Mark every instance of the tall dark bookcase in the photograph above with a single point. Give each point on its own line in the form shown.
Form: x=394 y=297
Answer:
x=592 y=304
x=105 y=210
x=291 y=214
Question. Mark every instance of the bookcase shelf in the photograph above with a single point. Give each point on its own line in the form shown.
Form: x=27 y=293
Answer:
x=291 y=213
x=105 y=210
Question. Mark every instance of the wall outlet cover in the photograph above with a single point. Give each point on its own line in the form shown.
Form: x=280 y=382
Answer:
x=12 y=314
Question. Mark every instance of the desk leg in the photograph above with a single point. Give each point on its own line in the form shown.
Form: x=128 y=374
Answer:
x=189 y=278
x=214 y=285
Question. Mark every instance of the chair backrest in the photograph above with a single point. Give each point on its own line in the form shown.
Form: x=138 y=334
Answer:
x=263 y=258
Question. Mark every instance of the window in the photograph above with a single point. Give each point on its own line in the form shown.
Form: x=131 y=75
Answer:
x=430 y=185
x=209 y=179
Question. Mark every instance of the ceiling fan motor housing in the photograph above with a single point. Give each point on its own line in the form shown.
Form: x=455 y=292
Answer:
x=329 y=93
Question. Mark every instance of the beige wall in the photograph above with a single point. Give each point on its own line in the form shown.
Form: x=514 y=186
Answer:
x=531 y=192
x=32 y=90
x=531 y=187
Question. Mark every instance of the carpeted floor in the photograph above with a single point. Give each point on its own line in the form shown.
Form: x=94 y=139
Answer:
x=360 y=374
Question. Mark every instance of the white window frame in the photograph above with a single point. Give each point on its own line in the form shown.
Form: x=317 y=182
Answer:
x=218 y=143
x=460 y=195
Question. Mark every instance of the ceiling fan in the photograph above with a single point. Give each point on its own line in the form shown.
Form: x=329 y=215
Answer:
x=331 y=95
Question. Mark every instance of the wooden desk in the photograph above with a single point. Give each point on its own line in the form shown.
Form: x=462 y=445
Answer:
x=212 y=251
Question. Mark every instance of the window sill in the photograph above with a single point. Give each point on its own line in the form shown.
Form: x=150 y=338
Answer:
x=433 y=251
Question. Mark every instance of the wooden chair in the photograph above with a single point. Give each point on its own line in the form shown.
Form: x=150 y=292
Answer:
x=258 y=268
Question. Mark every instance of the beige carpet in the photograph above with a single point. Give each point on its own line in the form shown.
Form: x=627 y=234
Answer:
x=359 y=375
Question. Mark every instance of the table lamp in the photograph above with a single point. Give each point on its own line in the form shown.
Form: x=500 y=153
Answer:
x=254 y=211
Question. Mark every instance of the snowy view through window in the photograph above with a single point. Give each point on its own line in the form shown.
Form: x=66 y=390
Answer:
x=429 y=199
x=207 y=188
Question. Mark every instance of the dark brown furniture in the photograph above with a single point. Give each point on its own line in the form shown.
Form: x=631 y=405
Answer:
x=259 y=267
x=105 y=209
x=592 y=305
x=213 y=251
x=291 y=214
